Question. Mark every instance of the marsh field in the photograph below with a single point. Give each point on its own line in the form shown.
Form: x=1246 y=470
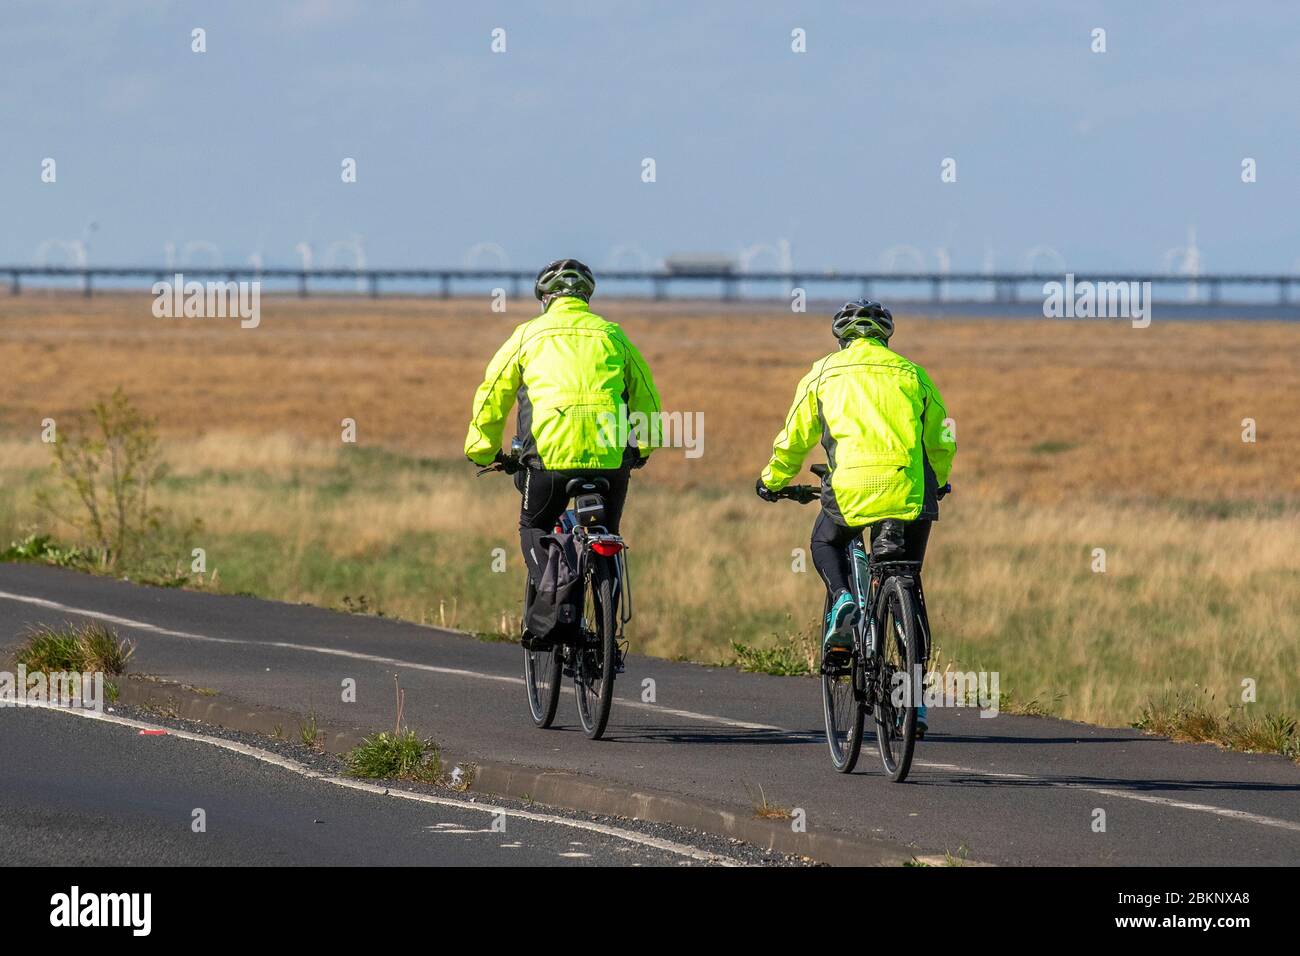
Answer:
x=1072 y=436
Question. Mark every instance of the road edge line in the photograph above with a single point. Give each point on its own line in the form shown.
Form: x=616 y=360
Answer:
x=557 y=788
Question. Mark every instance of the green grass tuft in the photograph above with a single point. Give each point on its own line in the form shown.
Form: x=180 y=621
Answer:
x=87 y=648
x=310 y=733
x=388 y=756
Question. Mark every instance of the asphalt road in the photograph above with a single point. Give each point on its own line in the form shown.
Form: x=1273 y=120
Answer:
x=1003 y=790
x=78 y=791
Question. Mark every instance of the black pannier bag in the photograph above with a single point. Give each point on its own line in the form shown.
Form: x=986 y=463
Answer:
x=556 y=607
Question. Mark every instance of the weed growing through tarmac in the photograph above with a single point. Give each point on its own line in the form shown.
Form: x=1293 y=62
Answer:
x=395 y=756
x=310 y=733
x=765 y=810
x=85 y=648
x=400 y=755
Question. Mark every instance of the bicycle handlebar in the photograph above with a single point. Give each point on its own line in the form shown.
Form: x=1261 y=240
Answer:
x=806 y=494
x=507 y=463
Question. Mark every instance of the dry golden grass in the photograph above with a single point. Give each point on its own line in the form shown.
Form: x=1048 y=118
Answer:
x=1115 y=412
x=1072 y=436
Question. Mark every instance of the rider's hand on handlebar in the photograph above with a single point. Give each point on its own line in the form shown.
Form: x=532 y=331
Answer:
x=762 y=491
x=507 y=463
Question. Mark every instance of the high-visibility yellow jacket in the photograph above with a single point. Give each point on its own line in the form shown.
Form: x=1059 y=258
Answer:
x=884 y=429
x=576 y=377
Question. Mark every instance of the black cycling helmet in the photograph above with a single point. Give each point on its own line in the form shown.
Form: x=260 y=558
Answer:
x=564 y=277
x=863 y=318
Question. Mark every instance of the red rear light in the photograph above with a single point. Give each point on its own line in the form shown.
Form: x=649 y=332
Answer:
x=607 y=549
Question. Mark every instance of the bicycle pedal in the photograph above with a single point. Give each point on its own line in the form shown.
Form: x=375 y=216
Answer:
x=836 y=660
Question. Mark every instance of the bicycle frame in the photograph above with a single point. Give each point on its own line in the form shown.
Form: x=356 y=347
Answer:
x=867 y=577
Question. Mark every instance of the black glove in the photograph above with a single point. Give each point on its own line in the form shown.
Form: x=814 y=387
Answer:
x=761 y=490
x=509 y=463
x=640 y=462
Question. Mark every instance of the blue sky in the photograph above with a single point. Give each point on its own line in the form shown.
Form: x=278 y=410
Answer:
x=1107 y=159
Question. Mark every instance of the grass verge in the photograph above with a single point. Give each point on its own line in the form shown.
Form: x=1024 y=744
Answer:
x=1193 y=717
x=790 y=655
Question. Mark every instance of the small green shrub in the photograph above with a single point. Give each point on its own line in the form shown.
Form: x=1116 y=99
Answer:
x=105 y=470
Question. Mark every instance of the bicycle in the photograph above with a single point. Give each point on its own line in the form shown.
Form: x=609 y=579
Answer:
x=879 y=676
x=593 y=652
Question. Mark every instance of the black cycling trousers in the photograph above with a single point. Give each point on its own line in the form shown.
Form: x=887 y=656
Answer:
x=544 y=498
x=830 y=542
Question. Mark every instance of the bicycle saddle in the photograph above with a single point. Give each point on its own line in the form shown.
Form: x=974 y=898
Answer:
x=597 y=486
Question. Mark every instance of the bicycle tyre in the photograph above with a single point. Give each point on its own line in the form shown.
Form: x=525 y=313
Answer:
x=843 y=712
x=594 y=672
x=542 y=676
x=896 y=647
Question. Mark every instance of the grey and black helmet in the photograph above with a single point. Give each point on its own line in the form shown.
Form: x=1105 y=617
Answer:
x=564 y=277
x=863 y=318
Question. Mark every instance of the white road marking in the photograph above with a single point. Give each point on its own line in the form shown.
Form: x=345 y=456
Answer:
x=371 y=658
x=1241 y=815
x=266 y=756
x=1124 y=794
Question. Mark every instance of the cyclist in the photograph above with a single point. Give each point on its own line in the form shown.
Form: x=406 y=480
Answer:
x=889 y=449
x=576 y=377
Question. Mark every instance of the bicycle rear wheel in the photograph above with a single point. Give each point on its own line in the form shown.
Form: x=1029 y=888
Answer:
x=842 y=709
x=897 y=652
x=597 y=655
x=542 y=675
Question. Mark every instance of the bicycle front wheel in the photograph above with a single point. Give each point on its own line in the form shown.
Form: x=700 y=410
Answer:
x=897 y=652
x=542 y=668
x=842 y=709
x=593 y=675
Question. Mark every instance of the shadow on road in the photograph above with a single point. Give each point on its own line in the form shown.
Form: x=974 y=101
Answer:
x=640 y=733
x=941 y=738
